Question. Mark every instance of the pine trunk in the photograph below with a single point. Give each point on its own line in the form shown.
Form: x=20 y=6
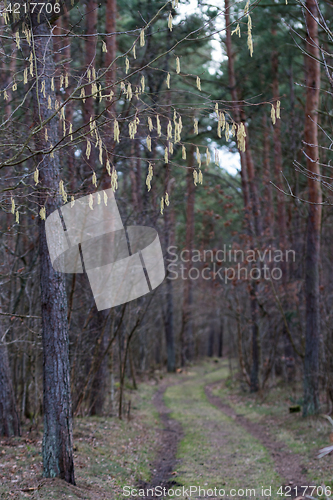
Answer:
x=311 y=361
x=187 y=326
x=9 y=421
x=57 y=440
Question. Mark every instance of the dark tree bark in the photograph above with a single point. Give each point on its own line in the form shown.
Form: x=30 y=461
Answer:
x=254 y=377
x=57 y=440
x=90 y=53
x=312 y=334
x=235 y=103
x=168 y=315
x=281 y=207
x=187 y=324
x=9 y=421
x=268 y=196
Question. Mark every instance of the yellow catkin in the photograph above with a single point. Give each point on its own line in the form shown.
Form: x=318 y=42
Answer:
x=142 y=81
x=198 y=156
x=150 y=124
x=249 y=35
x=104 y=47
x=52 y=152
x=43 y=89
x=105 y=198
x=17 y=39
x=236 y=31
x=49 y=103
x=273 y=116
x=217 y=157
x=195 y=177
x=93 y=72
x=133 y=127
x=233 y=130
x=42 y=213
x=114 y=180
x=183 y=152
x=227 y=135
x=82 y=95
x=177 y=65
x=88 y=149
x=241 y=134
x=36 y=176
x=170 y=18
x=94 y=90
x=278 y=110
x=142 y=38
x=17 y=217
x=116 y=131
x=100 y=157
x=72 y=201
x=98 y=199
x=207 y=157
x=62 y=191
x=5 y=95
x=134 y=51
x=158 y=126
x=94 y=179
x=46 y=135
x=129 y=92
x=195 y=126
x=246 y=8
x=28 y=36
x=13 y=205
x=62 y=113
x=177 y=133
x=66 y=81
x=31 y=64
x=14 y=86
x=198 y=83
x=148 y=140
x=25 y=76
x=200 y=178
x=108 y=167
x=168 y=80
x=56 y=105
x=126 y=65
x=61 y=81
x=166 y=155
x=71 y=131
x=217 y=110
x=167 y=201
x=149 y=176
x=169 y=130
x=170 y=146
x=91 y=202
x=162 y=205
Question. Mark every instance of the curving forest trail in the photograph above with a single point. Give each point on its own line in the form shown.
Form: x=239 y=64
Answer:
x=205 y=443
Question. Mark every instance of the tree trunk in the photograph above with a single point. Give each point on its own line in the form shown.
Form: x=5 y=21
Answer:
x=187 y=324
x=281 y=207
x=90 y=48
x=58 y=434
x=311 y=361
x=9 y=421
x=235 y=103
x=268 y=196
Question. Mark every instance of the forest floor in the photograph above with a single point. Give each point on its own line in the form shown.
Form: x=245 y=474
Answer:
x=195 y=428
